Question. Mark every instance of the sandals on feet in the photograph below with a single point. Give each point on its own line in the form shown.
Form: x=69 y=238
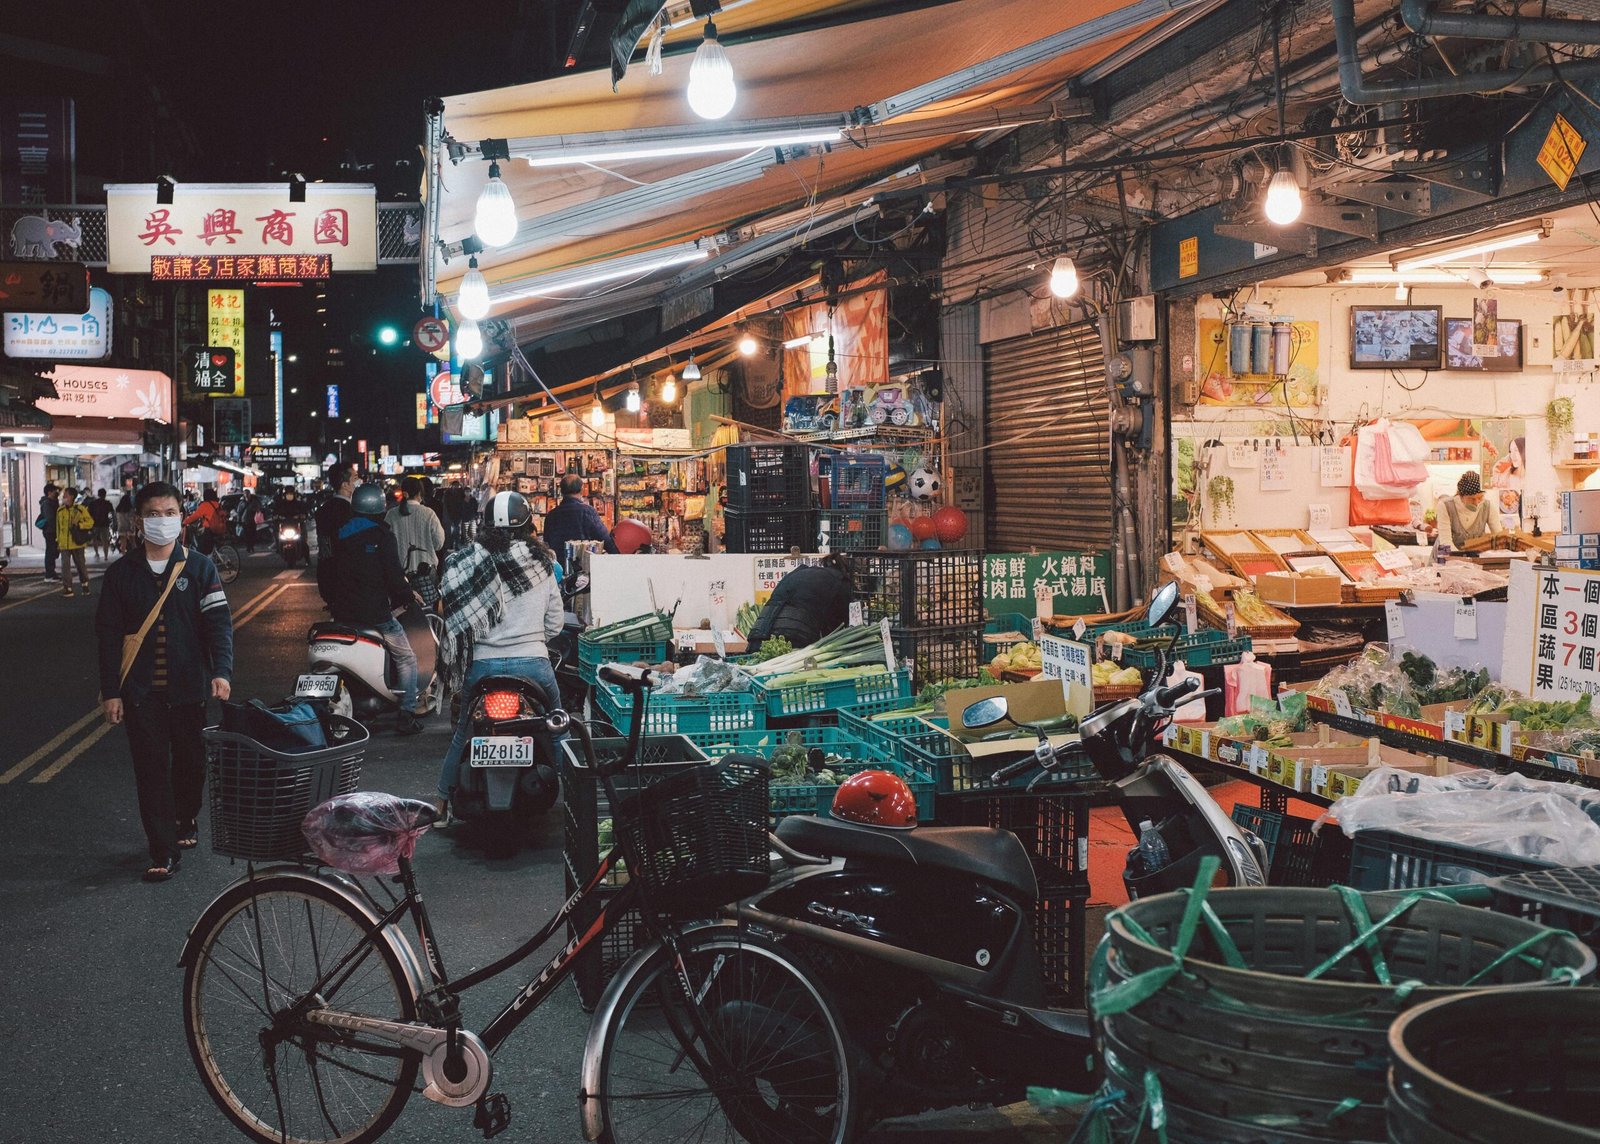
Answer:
x=188 y=836
x=162 y=873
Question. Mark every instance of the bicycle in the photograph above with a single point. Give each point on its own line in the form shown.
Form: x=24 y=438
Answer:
x=309 y=1017
x=224 y=555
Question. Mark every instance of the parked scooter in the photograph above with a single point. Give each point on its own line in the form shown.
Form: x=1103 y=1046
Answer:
x=924 y=935
x=291 y=542
x=508 y=777
x=350 y=669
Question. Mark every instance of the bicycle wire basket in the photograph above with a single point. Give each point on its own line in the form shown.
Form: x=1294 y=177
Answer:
x=701 y=834
x=260 y=796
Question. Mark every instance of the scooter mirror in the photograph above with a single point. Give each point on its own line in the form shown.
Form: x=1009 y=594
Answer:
x=984 y=713
x=1162 y=601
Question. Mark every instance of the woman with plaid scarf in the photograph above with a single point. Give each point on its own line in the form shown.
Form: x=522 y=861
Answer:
x=501 y=607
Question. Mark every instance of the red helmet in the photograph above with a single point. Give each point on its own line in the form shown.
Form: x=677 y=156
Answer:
x=876 y=798
x=630 y=535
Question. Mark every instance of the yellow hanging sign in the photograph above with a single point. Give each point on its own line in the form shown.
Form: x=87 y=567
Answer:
x=225 y=327
x=1560 y=152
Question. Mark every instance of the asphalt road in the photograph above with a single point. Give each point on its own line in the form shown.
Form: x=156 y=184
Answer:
x=90 y=1001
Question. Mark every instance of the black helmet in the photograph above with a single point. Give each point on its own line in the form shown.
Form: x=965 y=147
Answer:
x=507 y=510
x=368 y=500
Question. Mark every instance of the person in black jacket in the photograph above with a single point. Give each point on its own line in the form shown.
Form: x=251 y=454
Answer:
x=574 y=519
x=367 y=583
x=332 y=515
x=185 y=658
x=807 y=604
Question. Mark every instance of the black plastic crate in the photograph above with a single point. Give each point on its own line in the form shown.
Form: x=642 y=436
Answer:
x=1060 y=929
x=1561 y=897
x=1296 y=854
x=769 y=477
x=850 y=531
x=937 y=653
x=1389 y=860
x=584 y=805
x=856 y=482
x=921 y=588
x=1053 y=828
x=769 y=531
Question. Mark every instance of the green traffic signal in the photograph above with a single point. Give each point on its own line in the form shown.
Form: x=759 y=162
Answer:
x=388 y=335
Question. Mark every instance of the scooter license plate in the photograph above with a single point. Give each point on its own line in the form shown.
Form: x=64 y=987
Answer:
x=316 y=686
x=501 y=751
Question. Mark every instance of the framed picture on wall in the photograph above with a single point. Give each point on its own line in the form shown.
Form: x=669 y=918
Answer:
x=1458 y=346
x=1396 y=337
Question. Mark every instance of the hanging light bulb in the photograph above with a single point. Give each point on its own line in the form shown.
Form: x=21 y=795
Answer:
x=597 y=415
x=633 y=399
x=831 y=370
x=691 y=372
x=748 y=344
x=1063 y=277
x=669 y=389
x=469 y=341
x=473 y=298
x=495 y=220
x=711 y=87
x=1283 y=198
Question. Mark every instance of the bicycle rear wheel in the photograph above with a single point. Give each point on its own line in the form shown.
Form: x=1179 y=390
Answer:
x=267 y=944
x=226 y=558
x=754 y=1052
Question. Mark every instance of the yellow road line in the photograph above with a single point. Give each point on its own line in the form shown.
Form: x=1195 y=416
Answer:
x=83 y=745
x=50 y=746
x=53 y=590
x=255 y=609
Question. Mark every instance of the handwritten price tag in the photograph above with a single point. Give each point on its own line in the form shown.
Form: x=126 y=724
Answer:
x=858 y=614
x=888 y=643
x=1392 y=559
x=1078 y=628
x=1396 y=617
x=1467 y=620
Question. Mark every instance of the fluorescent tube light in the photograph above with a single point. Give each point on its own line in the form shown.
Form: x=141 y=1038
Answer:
x=1474 y=248
x=609 y=271
x=557 y=156
x=803 y=340
x=1505 y=277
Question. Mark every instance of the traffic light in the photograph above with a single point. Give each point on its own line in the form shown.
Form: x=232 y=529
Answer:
x=388 y=336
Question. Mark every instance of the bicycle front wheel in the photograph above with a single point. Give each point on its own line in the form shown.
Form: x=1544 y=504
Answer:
x=226 y=558
x=754 y=1051
x=285 y=1082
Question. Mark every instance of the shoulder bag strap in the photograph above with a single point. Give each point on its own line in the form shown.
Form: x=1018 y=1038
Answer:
x=132 y=644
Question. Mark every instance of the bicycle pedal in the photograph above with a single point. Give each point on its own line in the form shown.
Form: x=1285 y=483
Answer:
x=493 y=1115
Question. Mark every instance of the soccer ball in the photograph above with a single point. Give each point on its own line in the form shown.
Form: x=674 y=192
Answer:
x=925 y=484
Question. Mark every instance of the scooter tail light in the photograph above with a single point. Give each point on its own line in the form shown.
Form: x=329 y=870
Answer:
x=502 y=705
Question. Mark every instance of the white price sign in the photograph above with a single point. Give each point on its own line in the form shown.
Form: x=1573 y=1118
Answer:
x=1566 y=633
x=1078 y=628
x=1467 y=620
x=1190 y=614
x=1396 y=618
x=858 y=614
x=719 y=615
x=1066 y=660
x=888 y=643
x=1392 y=559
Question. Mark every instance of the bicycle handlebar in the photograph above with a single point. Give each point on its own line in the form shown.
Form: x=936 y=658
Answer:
x=1012 y=770
x=630 y=678
x=1169 y=696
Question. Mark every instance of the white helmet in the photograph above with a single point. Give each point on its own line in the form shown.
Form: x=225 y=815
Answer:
x=507 y=510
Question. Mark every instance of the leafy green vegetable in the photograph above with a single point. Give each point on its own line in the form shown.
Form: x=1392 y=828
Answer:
x=772 y=648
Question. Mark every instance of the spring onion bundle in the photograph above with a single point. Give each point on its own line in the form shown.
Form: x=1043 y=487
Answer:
x=847 y=653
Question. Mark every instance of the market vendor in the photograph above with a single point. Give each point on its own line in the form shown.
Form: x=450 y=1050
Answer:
x=806 y=605
x=1467 y=515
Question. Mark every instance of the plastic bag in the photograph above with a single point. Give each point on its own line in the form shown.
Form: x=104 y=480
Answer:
x=1390 y=466
x=706 y=676
x=1505 y=814
x=366 y=832
x=1243 y=681
x=1195 y=710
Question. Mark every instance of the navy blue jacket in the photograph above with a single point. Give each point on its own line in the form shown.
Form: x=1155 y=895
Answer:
x=366 y=580
x=574 y=519
x=199 y=627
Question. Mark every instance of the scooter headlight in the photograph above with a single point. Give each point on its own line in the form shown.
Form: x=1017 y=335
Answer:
x=288 y=534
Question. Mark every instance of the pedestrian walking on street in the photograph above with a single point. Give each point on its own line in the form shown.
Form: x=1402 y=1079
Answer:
x=417 y=531
x=74 y=530
x=332 y=515
x=165 y=640
x=127 y=523
x=46 y=524
x=100 y=509
x=250 y=518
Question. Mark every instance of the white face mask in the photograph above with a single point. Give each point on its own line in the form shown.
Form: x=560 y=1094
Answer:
x=162 y=530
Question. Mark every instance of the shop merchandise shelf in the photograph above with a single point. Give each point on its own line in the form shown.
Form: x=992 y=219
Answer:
x=768 y=478
x=806 y=698
x=584 y=808
x=260 y=796
x=857 y=481
x=920 y=588
x=682 y=715
x=817 y=798
x=1296 y=854
x=1390 y=860
x=939 y=652
x=652 y=646
x=850 y=531
x=768 y=530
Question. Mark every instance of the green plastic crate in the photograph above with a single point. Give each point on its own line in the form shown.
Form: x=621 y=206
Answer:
x=808 y=698
x=682 y=715
x=653 y=645
x=808 y=798
x=1203 y=649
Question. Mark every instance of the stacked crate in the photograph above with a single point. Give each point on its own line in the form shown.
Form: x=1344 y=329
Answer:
x=933 y=600
x=769 y=499
x=853 y=516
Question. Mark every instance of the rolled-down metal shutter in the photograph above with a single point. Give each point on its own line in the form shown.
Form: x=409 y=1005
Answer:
x=1048 y=462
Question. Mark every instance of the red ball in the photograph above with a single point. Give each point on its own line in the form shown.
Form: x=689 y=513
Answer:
x=922 y=527
x=950 y=524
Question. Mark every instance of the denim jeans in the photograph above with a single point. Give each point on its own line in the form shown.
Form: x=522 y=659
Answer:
x=405 y=660
x=536 y=669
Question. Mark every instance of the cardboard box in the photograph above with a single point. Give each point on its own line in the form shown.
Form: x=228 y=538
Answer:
x=702 y=642
x=1291 y=588
x=1028 y=702
x=1580 y=510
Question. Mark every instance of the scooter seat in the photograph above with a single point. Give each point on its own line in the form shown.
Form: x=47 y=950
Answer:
x=993 y=855
x=334 y=630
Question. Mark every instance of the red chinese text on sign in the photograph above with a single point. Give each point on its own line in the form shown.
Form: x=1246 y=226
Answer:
x=220 y=224
x=276 y=227
x=332 y=226
x=158 y=225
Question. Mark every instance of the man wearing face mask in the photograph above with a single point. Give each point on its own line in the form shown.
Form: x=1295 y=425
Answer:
x=165 y=638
